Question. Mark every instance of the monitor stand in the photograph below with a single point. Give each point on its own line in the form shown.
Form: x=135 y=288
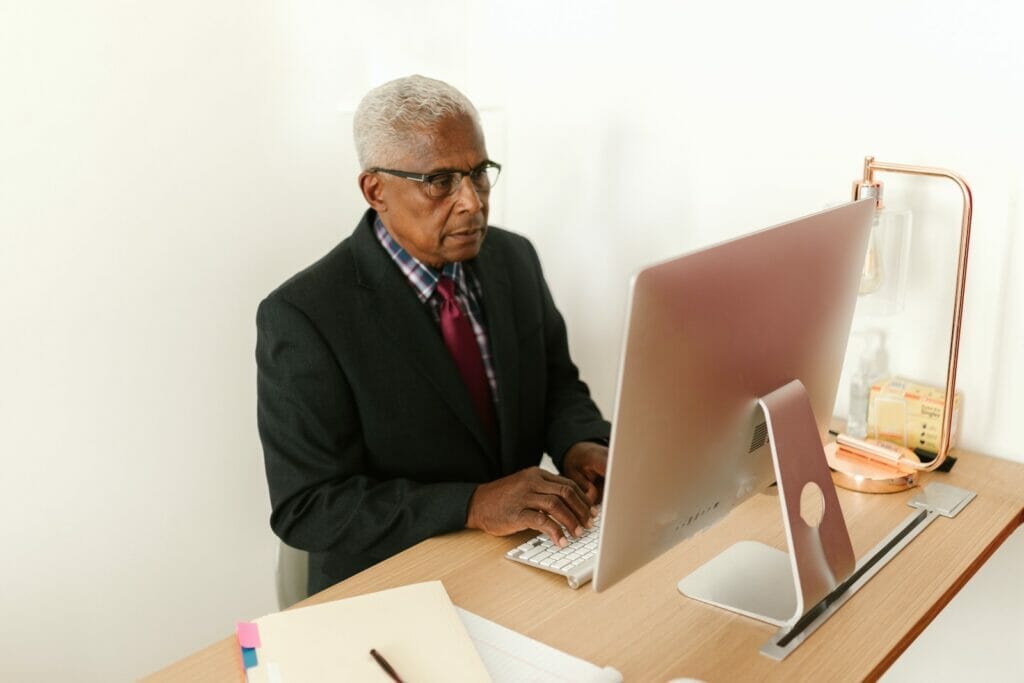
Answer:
x=766 y=583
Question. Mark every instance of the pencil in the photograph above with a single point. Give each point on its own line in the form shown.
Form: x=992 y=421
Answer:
x=384 y=665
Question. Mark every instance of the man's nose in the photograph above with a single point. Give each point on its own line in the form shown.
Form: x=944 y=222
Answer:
x=467 y=195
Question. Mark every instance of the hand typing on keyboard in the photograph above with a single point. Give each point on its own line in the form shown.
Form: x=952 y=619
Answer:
x=574 y=561
x=531 y=499
x=585 y=463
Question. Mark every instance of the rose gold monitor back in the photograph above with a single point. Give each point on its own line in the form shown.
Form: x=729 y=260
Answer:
x=707 y=335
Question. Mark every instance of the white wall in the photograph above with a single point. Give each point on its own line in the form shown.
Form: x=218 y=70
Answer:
x=163 y=166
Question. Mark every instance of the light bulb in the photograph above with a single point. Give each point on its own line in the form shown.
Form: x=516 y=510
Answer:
x=871 y=274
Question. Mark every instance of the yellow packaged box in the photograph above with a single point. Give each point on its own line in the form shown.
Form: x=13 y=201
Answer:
x=910 y=413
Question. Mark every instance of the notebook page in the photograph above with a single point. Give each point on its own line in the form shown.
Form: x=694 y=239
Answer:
x=511 y=657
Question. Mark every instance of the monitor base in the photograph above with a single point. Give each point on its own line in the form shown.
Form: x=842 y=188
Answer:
x=750 y=578
x=765 y=583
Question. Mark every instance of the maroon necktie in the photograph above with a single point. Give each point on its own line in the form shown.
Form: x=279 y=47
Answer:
x=461 y=342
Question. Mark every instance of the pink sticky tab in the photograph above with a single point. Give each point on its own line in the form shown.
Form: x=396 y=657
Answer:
x=248 y=634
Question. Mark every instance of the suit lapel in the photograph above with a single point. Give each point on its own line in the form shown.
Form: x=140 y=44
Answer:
x=492 y=271
x=407 y=323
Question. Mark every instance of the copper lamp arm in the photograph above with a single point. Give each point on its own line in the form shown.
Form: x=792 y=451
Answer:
x=870 y=185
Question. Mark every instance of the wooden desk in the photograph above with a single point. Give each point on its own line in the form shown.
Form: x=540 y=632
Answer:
x=643 y=627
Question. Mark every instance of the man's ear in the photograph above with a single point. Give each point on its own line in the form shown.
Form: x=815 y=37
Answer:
x=373 y=191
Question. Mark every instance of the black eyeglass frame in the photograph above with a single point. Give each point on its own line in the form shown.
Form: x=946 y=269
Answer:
x=428 y=178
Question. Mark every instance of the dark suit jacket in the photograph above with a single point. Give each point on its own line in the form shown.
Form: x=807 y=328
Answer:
x=370 y=439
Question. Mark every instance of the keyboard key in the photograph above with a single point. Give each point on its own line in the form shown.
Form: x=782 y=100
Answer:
x=531 y=552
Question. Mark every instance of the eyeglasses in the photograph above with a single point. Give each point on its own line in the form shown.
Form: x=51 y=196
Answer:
x=447 y=183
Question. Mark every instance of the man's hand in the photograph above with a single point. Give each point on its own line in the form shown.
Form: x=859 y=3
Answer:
x=530 y=499
x=585 y=463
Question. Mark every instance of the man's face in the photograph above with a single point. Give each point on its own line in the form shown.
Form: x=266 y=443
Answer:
x=445 y=229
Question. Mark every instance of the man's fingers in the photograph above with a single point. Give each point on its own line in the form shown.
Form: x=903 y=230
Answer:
x=590 y=480
x=595 y=490
x=557 y=509
x=591 y=496
x=539 y=521
x=571 y=494
x=599 y=466
x=590 y=492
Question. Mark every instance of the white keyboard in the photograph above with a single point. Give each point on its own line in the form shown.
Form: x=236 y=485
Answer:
x=575 y=561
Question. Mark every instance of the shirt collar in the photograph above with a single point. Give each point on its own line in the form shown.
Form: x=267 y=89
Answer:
x=421 y=277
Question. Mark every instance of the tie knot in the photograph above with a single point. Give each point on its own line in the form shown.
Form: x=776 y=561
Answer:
x=446 y=288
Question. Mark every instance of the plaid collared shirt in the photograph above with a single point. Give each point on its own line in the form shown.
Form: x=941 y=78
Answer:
x=424 y=279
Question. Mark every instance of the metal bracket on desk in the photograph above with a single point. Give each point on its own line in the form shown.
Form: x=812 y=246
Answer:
x=934 y=500
x=944 y=499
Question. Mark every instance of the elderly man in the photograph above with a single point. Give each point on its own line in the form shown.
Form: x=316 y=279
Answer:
x=410 y=380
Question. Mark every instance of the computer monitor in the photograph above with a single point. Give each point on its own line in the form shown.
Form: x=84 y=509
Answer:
x=723 y=348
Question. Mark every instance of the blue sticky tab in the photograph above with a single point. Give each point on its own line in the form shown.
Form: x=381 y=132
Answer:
x=249 y=657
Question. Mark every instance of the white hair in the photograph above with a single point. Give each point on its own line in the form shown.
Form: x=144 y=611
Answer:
x=390 y=113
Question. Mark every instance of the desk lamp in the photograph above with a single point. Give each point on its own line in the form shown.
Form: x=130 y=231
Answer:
x=872 y=473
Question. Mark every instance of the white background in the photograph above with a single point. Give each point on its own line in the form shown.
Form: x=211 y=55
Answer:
x=164 y=165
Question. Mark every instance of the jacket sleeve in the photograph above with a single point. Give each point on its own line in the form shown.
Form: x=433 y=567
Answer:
x=570 y=414
x=322 y=495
